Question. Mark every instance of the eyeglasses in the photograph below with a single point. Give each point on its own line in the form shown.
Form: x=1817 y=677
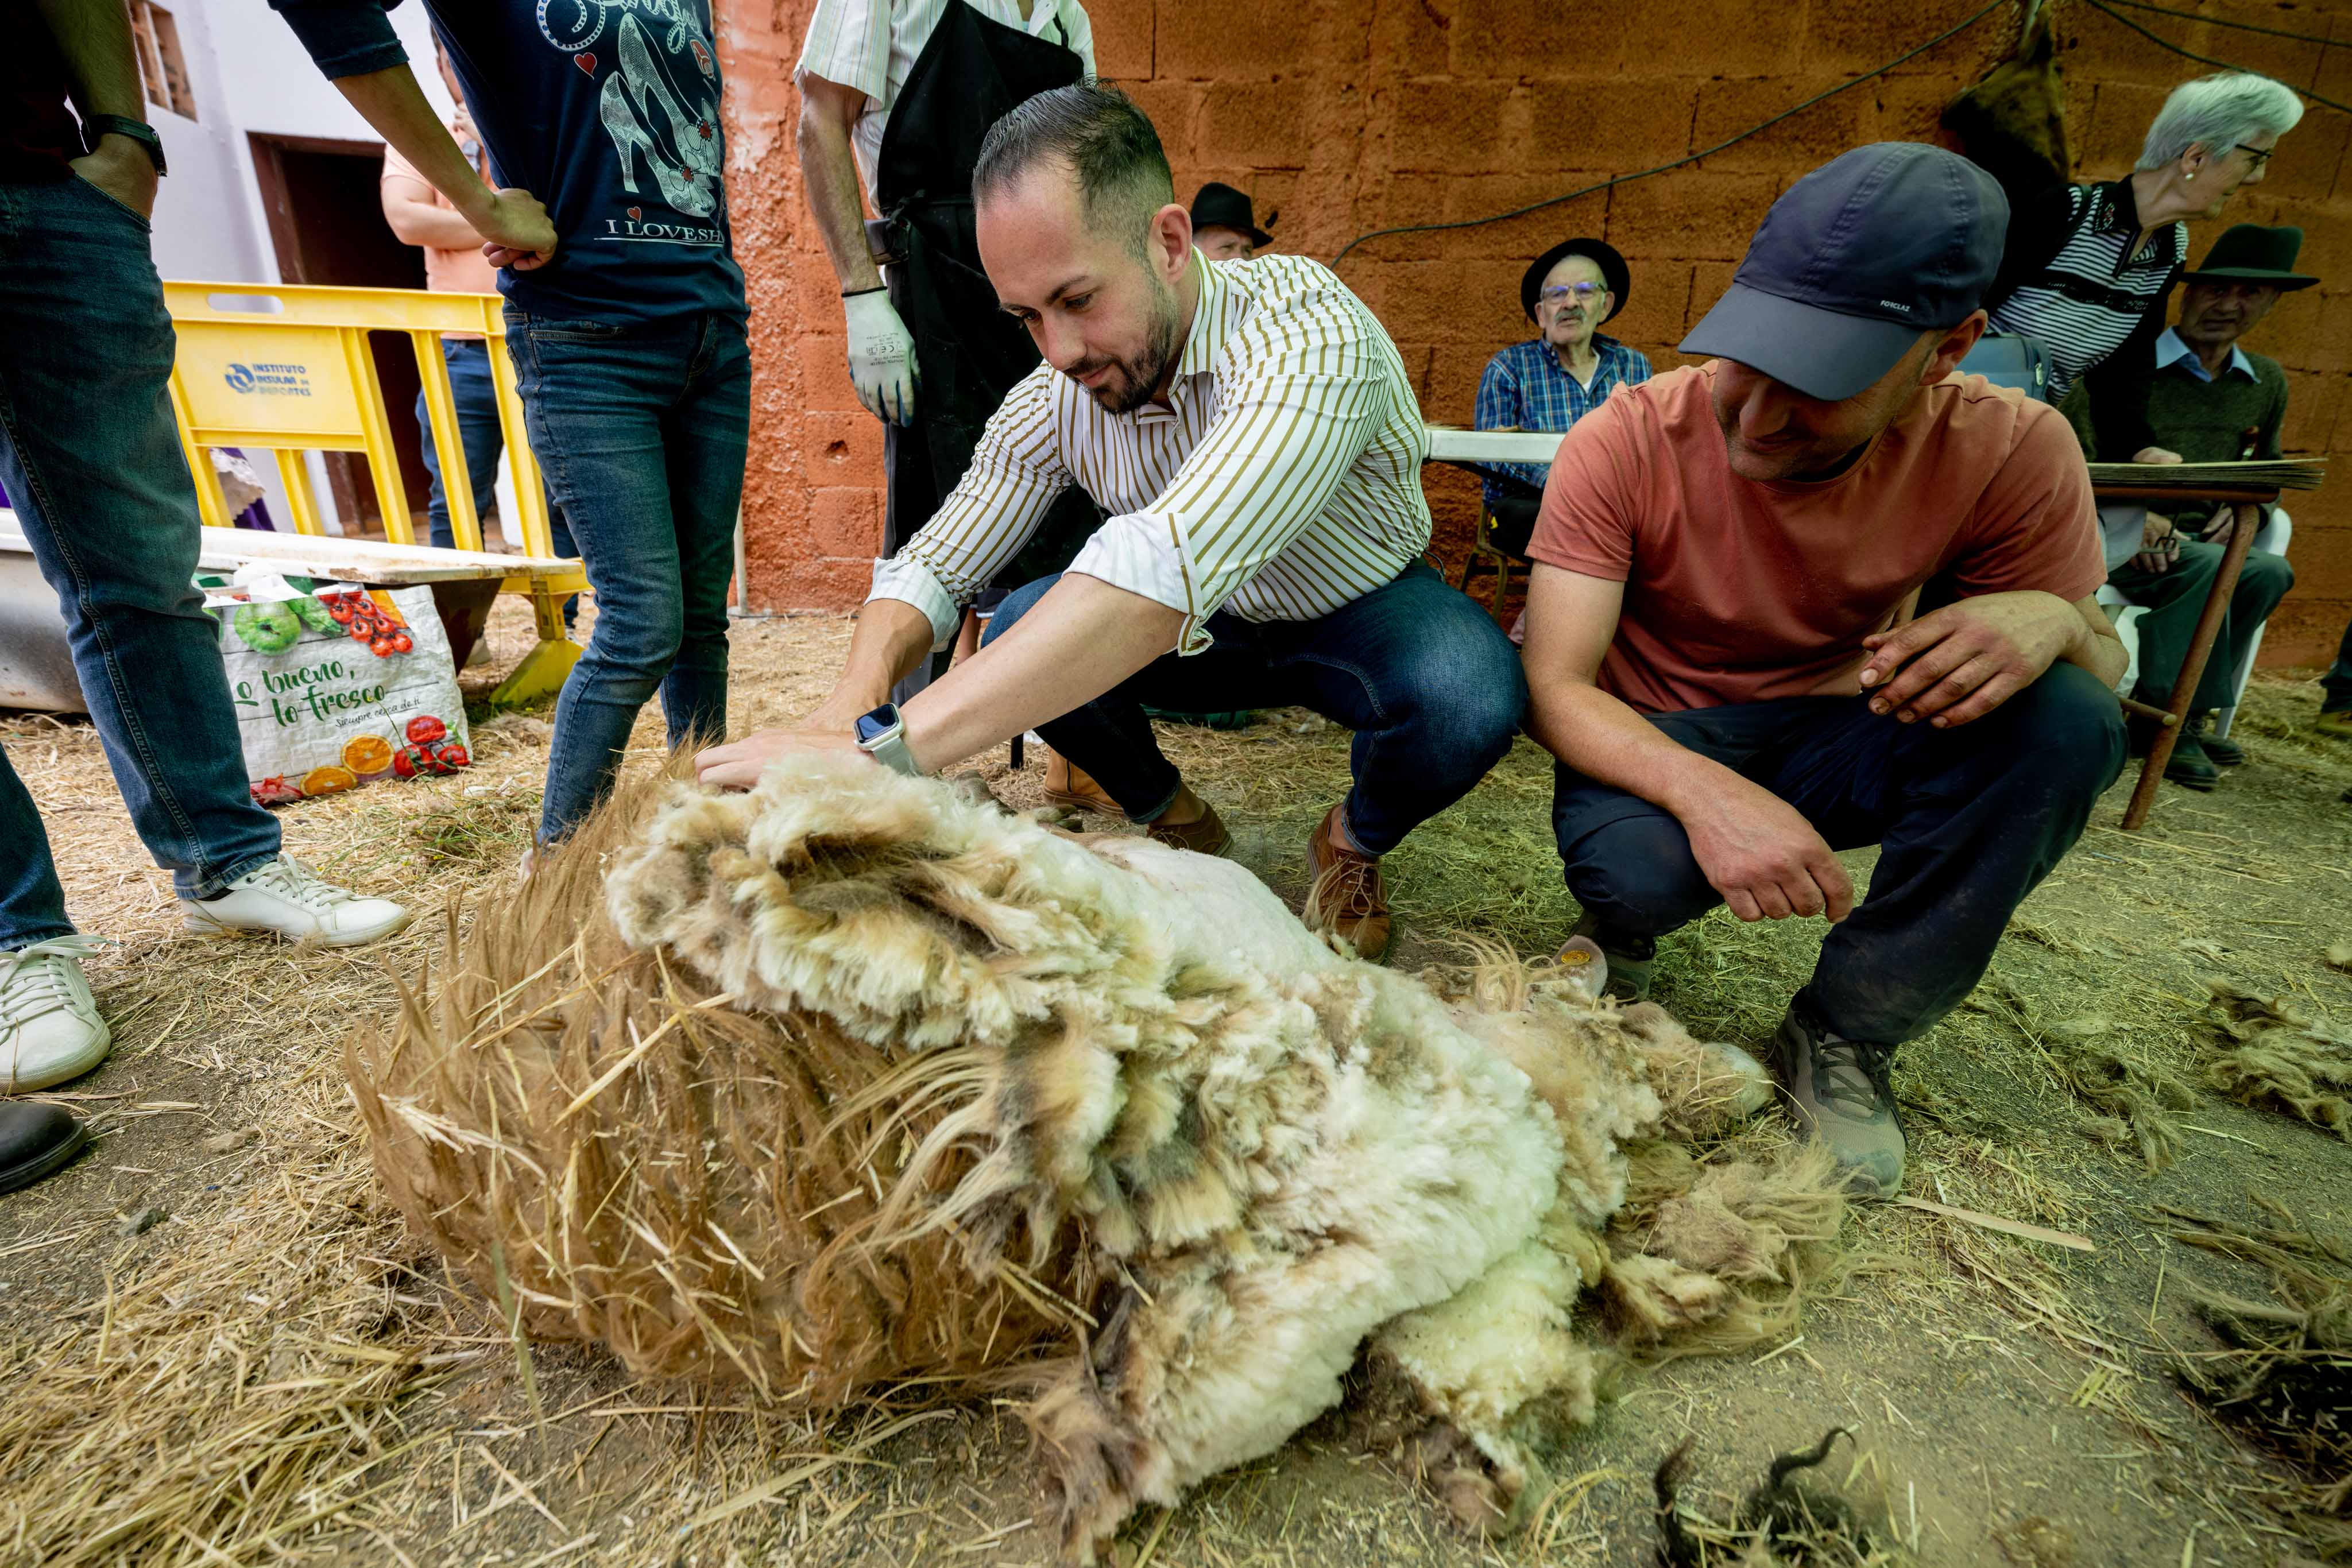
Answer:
x=1584 y=293
x=2256 y=156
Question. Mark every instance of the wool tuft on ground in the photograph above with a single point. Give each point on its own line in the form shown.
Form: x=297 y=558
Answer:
x=851 y=1080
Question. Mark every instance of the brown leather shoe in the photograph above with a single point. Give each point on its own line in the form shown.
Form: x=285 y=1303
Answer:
x=1204 y=836
x=1349 y=899
x=1071 y=786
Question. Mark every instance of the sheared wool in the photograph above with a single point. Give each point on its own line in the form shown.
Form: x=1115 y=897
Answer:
x=848 y=1079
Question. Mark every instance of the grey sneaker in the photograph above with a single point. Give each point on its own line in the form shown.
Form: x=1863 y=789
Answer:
x=1627 y=961
x=1837 y=1090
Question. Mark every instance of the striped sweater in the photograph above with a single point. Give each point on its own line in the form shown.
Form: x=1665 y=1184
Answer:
x=2072 y=279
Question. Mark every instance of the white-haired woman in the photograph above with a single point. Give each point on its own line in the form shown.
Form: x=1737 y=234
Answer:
x=2088 y=268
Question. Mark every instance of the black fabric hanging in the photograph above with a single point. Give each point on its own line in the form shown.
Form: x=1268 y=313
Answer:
x=968 y=353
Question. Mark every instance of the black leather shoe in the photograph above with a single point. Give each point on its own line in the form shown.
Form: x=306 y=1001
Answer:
x=2188 y=766
x=2224 y=752
x=35 y=1141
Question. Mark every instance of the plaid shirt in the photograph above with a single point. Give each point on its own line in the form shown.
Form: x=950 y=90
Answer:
x=1525 y=386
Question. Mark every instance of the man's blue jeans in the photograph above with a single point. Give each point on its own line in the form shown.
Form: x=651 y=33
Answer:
x=484 y=442
x=1968 y=821
x=641 y=431
x=1433 y=689
x=91 y=462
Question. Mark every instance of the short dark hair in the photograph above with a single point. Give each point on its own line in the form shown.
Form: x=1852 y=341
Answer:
x=1098 y=130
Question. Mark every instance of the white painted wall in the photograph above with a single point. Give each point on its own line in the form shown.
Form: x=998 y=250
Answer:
x=249 y=73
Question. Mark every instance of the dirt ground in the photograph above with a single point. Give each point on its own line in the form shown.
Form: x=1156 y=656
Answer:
x=217 y=1344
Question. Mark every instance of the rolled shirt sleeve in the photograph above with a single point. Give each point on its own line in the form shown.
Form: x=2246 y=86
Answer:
x=1304 y=390
x=1016 y=472
x=345 y=37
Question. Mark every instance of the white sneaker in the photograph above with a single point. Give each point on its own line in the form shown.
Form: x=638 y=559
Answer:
x=288 y=898
x=49 y=1027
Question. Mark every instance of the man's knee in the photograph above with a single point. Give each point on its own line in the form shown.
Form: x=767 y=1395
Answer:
x=1016 y=604
x=2065 y=728
x=1637 y=873
x=1468 y=693
x=2265 y=579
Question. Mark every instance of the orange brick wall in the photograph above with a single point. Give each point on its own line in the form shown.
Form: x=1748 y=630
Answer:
x=1347 y=115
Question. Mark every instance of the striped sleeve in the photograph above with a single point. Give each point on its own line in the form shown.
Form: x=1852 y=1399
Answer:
x=1016 y=472
x=1305 y=389
x=848 y=43
x=1081 y=30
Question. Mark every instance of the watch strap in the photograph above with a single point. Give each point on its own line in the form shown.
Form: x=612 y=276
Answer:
x=96 y=126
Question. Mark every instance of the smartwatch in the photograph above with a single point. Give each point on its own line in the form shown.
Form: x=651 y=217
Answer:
x=102 y=125
x=882 y=735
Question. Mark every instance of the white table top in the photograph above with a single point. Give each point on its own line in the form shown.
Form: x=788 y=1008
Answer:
x=349 y=560
x=1447 y=445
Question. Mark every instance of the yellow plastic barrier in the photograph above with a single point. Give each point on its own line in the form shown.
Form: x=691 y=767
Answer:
x=300 y=379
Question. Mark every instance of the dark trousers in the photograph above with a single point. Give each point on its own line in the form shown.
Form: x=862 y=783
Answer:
x=92 y=465
x=1433 y=690
x=2336 y=686
x=1968 y=821
x=641 y=431
x=2175 y=599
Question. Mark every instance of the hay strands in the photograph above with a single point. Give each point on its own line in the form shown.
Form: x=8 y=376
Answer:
x=775 y=1485
x=2018 y=1228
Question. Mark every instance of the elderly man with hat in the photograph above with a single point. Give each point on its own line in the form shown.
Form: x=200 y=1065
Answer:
x=2211 y=401
x=1550 y=381
x=1224 y=223
x=1727 y=654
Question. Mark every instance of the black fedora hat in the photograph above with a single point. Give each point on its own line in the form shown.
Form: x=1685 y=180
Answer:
x=1220 y=206
x=1604 y=257
x=2249 y=253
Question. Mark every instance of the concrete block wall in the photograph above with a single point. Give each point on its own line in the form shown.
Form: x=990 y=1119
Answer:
x=1344 y=116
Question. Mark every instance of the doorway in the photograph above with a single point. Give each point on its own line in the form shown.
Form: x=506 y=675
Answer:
x=326 y=224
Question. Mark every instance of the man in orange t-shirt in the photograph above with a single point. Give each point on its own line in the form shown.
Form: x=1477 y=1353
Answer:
x=1723 y=654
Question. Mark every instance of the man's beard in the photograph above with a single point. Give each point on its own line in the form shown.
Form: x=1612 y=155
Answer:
x=1129 y=385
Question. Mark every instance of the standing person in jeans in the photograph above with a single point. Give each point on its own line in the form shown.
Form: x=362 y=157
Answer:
x=1723 y=650
x=92 y=465
x=624 y=317
x=453 y=264
x=2335 y=695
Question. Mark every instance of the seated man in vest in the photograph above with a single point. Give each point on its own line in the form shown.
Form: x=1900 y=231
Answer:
x=1254 y=435
x=1548 y=382
x=1724 y=651
x=2210 y=402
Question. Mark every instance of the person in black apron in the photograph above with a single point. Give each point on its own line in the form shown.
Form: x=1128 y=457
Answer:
x=968 y=353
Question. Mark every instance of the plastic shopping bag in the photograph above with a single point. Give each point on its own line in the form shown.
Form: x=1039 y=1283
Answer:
x=336 y=685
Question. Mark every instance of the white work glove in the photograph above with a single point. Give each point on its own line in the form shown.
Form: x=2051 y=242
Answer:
x=881 y=357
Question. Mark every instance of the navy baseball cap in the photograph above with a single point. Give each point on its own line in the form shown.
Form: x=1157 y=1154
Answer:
x=1853 y=262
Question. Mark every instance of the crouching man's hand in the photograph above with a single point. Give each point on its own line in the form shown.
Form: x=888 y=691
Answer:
x=1762 y=856
x=1965 y=660
x=739 y=764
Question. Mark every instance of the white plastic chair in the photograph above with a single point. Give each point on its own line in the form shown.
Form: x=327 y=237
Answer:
x=2121 y=524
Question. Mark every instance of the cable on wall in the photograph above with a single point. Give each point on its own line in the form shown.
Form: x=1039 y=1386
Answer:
x=1794 y=108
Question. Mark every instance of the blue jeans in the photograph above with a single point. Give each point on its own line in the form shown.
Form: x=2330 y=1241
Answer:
x=1967 y=821
x=640 y=431
x=92 y=461
x=484 y=440
x=1433 y=691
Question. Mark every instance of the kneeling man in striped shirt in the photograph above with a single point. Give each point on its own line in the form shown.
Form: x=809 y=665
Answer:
x=1250 y=429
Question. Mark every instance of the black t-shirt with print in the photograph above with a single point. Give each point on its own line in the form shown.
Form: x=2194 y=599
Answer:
x=607 y=110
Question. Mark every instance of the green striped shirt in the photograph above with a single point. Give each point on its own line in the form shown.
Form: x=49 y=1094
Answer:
x=1281 y=481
